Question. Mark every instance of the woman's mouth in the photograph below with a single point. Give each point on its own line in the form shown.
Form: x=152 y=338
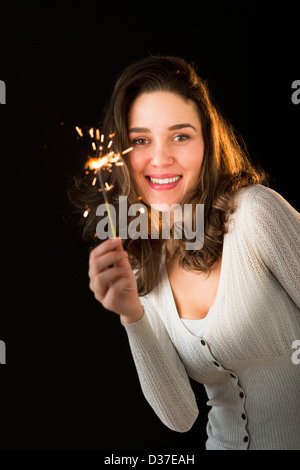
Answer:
x=163 y=182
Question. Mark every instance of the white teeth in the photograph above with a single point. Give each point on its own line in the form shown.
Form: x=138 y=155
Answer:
x=164 y=181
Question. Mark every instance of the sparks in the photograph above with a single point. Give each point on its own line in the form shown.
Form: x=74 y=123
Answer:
x=108 y=187
x=127 y=150
x=100 y=161
x=97 y=163
x=79 y=131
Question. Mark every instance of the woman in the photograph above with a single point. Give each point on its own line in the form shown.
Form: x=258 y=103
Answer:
x=227 y=314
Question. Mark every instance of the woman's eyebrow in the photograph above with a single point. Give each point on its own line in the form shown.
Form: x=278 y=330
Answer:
x=171 y=128
x=139 y=129
x=181 y=126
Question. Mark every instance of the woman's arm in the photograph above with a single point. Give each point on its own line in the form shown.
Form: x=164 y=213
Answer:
x=275 y=228
x=162 y=376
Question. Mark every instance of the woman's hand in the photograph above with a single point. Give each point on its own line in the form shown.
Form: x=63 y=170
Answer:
x=113 y=281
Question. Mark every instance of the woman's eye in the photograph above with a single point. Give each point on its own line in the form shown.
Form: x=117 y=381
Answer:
x=181 y=138
x=140 y=141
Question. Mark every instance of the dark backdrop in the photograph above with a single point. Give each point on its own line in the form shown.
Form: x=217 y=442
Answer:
x=70 y=381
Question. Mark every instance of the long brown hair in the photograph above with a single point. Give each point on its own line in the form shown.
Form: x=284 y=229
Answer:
x=226 y=167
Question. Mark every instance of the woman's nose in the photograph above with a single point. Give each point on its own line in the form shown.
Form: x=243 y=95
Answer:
x=162 y=155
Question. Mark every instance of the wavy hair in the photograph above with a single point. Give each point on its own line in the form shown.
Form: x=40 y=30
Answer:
x=225 y=169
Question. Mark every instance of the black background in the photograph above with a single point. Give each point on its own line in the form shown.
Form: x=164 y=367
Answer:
x=70 y=381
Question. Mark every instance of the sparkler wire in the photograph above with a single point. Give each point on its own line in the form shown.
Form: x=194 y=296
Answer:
x=98 y=154
x=100 y=179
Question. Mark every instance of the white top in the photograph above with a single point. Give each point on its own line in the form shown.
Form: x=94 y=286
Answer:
x=196 y=327
x=244 y=358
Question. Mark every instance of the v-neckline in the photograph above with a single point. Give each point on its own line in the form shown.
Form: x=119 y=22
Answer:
x=167 y=284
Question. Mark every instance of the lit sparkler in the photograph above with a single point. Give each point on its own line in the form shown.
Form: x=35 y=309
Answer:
x=100 y=161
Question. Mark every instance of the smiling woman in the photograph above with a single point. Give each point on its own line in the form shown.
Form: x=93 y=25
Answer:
x=225 y=314
x=162 y=108
x=166 y=158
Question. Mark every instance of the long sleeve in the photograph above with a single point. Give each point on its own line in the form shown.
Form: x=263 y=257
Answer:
x=244 y=358
x=162 y=376
x=276 y=235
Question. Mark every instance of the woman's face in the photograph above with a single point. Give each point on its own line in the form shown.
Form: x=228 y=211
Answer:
x=165 y=132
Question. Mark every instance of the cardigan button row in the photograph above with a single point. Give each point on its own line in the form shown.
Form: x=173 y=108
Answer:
x=203 y=342
x=244 y=417
x=241 y=394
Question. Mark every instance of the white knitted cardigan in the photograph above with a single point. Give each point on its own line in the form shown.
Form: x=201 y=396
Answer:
x=244 y=359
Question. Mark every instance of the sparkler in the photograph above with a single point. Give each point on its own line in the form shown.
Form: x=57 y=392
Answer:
x=100 y=161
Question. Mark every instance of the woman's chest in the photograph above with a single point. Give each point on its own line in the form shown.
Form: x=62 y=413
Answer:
x=250 y=310
x=194 y=293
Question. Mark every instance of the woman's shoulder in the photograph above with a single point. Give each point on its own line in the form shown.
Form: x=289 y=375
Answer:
x=261 y=208
x=261 y=200
x=254 y=194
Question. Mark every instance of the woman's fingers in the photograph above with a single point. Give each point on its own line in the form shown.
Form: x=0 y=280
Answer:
x=106 y=265
x=105 y=261
x=112 y=279
x=109 y=247
x=103 y=281
x=112 y=299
